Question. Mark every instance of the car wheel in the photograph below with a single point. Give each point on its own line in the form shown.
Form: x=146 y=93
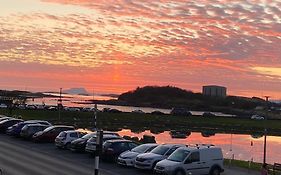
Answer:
x=179 y=172
x=215 y=171
x=67 y=146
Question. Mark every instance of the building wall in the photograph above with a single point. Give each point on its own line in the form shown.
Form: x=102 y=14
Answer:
x=215 y=91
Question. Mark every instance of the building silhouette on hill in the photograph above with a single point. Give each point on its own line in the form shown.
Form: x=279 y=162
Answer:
x=214 y=91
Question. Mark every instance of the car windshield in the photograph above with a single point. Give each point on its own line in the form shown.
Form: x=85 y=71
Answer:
x=62 y=134
x=48 y=129
x=140 y=149
x=179 y=155
x=88 y=136
x=161 y=150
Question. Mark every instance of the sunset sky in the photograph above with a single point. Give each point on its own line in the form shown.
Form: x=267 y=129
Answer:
x=116 y=45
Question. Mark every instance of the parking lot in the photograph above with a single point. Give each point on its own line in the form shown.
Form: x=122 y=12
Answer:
x=20 y=157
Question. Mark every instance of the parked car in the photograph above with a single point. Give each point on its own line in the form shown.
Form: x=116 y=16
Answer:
x=114 y=111
x=113 y=148
x=208 y=114
x=79 y=144
x=5 y=118
x=257 y=117
x=91 y=145
x=30 y=107
x=3 y=106
x=157 y=113
x=138 y=111
x=148 y=160
x=64 y=139
x=192 y=160
x=128 y=158
x=16 y=129
x=5 y=124
x=73 y=109
x=180 y=112
x=30 y=129
x=50 y=133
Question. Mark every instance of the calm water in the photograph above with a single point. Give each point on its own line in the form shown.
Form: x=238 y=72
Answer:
x=75 y=101
x=243 y=147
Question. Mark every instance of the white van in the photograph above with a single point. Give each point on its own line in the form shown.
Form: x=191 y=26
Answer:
x=192 y=160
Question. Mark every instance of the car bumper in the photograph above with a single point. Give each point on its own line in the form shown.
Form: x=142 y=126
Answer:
x=143 y=166
x=59 y=144
x=126 y=162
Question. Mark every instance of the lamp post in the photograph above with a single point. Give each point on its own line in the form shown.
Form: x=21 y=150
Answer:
x=265 y=130
x=60 y=104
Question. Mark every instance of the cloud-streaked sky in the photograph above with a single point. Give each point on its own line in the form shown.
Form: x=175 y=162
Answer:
x=117 y=45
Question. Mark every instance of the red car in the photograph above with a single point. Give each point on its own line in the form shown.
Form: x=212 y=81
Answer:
x=50 y=133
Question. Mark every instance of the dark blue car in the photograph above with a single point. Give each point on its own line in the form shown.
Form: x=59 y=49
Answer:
x=16 y=129
x=7 y=123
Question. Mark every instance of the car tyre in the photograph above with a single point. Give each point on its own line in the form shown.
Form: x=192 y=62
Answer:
x=179 y=172
x=215 y=171
x=67 y=146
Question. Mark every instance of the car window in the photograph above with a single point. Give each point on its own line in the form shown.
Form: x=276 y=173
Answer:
x=194 y=157
x=171 y=151
x=120 y=146
x=74 y=134
x=62 y=134
x=161 y=150
x=132 y=145
x=179 y=155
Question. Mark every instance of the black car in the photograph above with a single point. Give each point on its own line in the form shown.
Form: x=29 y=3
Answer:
x=5 y=124
x=180 y=112
x=79 y=145
x=113 y=148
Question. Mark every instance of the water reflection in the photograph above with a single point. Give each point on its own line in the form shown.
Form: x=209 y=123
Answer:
x=175 y=134
x=241 y=146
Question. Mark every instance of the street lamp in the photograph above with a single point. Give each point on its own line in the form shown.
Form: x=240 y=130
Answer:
x=60 y=104
x=265 y=130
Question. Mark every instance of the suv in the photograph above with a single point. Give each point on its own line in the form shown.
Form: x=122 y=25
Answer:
x=30 y=129
x=16 y=129
x=128 y=158
x=64 y=139
x=113 y=148
x=50 y=133
x=5 y=124
x=148 y=160
x=192 y=160
x=92 y=142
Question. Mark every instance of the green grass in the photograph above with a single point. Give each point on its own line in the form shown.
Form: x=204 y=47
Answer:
x=154 y=122
x=243 y=164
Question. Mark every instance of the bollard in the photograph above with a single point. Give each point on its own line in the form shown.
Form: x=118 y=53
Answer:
x=97 y=159
x=99 y=143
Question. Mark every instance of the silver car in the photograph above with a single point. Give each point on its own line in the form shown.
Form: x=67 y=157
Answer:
x=148 y=161
x=128 y=158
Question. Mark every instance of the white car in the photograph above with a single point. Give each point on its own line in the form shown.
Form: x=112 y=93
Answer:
x=147 y=161
x=3 y=106
x=128 y=158
x=196 y=160
x=257 y=117
x=64 y=139
x=91 y=145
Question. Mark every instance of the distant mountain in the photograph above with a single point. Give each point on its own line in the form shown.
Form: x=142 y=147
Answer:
x=76 y=91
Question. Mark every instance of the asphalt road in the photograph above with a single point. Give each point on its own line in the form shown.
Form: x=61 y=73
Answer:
x=20 y=157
